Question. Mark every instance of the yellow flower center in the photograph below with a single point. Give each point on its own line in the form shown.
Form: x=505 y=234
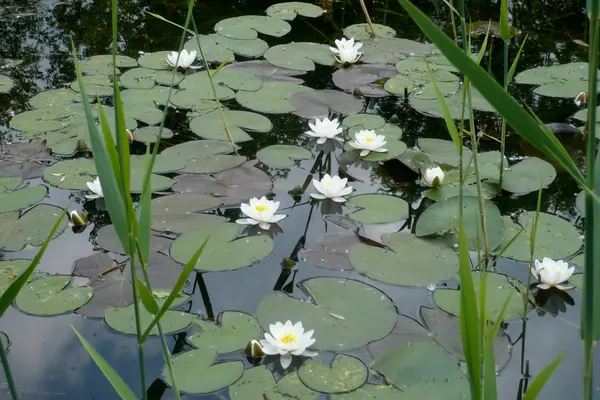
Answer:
x=369 y=139
x=261 y=208
x=288 y=338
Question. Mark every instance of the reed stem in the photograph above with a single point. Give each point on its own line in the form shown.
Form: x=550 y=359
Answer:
x=8 y=373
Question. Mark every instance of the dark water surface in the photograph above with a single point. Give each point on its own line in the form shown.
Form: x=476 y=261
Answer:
x=48 y=360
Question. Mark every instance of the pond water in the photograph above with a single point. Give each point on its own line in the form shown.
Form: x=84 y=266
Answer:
x=48 y=360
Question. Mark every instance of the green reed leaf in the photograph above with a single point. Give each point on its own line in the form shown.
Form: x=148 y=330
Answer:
x=536 y=385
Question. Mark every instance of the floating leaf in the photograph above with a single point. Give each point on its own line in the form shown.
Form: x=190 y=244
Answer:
x=481 y=28
x=234 y=332
x=371 y=392
x=108 y=240
x=394 y=146
x=334 y=254
x=414 y=262
x=555 y=237
x=442 y=218
x=289 y=10
x=149 y=134
x=443 y=151
x=366 y=79
x=98 y=85
x=31 y=229
x=414 y=75
x=345 y=375
x=271 y=98
x=364 y=32
x=364 y=121
x=580 y=203
x=210 y=126
x=300 y=56
x=577 y=281
x=410 y=369
x=123 y=320
x=259 y=381
x=564 y=80
x=528 y=175
x=219 y=48
x=156 y=61
x=282 y=155
x=248 y=26
x=71 y=174
x=203 y=157
x=320 y=103
x=146 y=78
x=178 y=213
x=378 y=208
x=266 y=71
x=425 y=101
x=103 y=64
x=195 y=374
x=22 y=198
x=361 y=305
x=391 y=50
x=10 y=270
x=42 y=120
x=498 y=288
x=48 y=296
x=6 y=84
x=55 y=98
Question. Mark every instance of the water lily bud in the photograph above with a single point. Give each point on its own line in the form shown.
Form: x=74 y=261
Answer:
x=129 y=136
x=433 y=176
x=581 y=99
x=82 y=146
x=78 y=218
x=254 y=349
x=287 y=263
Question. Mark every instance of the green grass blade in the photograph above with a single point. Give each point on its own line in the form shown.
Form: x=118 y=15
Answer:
x=111 y=375
x=146 y=296
x=191 y=32
x=145 y=213
x=187 y=270
x=504 y=27
x=123 y=151
x=536 y=385
x=450 y=125
x=13 y=290
x=513 y=66
x=489 y=360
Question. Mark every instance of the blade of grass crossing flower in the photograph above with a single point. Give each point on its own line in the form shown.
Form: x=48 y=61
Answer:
x=537 y=384
x=506 y=106
x=183 y=277
x=504 y=28
x=111 y=375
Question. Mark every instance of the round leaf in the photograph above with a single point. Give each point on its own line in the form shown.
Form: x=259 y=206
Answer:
x=31 y=229
x=217 y=48
x=248 y=26
x=282 y=155
x=235 y=330
x=320 y=103
x=378 y=208
x=123 y=320
x=48 y=296
x=10 y=270
x=301 y=56
x=6 y=84
x=271 y=98
x=528 y=175
x=291 y=9
x=23 y=198
x=210 y=126
x=363 y=31
x=149 y=134
x=345 y=375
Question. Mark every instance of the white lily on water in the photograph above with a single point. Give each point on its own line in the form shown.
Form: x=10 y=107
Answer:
x=550 y=273
x=96 y=189
x=331 y=187
x=260 y=212
x=433 y=176
x=367 y=141
x=325 y=129
x=185 y=59
x=288 y=340
x=346 y=51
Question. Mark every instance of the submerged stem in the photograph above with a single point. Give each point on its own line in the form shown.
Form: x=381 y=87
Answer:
x=8 y=373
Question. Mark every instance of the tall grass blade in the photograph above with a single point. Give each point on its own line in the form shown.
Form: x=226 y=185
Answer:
x=536 y=385
x=146 y=296
x=111 y=375
x=191 y=32
x=504 y=27
x=10 y=380
x=489 y=360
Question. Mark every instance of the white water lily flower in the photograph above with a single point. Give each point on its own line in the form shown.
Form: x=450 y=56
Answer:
x=288 y=340
x=325 y=129
x=367 y=141
x=260 y=212
x=550 y=273
x=346 y=51
x=185 y=59
x=333 y=188
x=96 y=188
x=433 y=176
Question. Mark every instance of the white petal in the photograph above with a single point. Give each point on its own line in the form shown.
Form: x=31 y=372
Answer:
x=364 y=152
x=268 y=348
x=318 y=196
x=321 y=140
x=338 y=199
x=346 y=191
x=543 y=286
x=310 y=353
x=276 y=218
x=264 y=225
x=285 y=360
x=246 y=221
x=380 y=150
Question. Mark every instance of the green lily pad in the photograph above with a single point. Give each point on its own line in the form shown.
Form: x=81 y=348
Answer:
x=107 y=239
x=158 y=183
x=489 y=191
x=414 y=74
x=391 y=50
x=9 y=184
x=203 y=156
x=122 y=320
x=55 y=98
x=555 y=237
x=22 y=198
x=480 y=28
x=425 y=101
x=266 y=71
x=528 y=175
x=577 y=280
x=371 y=392
x=363 y=31
x=364 y=121
x=320 y=103
x=301 y=56
x=196 y=373
x=366 y=79
x=71 y=174
x=410 y=369
x=103 y=64
x=579 y=260
x=289 y=10
x=378 y=208
x=271 y=98
x=10 y=270
x=416 y=262
x=158 y=95
x=234 y=332
x=442 y=218
x=345 y=375
x=149 y=134
x=443 y=151
x=248 y=26
x=565 y=80
x=48 y=296
x=259 y=381
x=156 y=60
x=178 y=213
x=139 y=78
x=6 y=84
x=223 y=252
x=31 y=229
x=210 y=126
x=219 y=48
x=283 y=155
x=42 y=120
x=98 y=85
x=359 y=305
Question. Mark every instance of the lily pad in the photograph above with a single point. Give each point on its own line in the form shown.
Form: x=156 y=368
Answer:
x=363 y=31
x=31 y=229
x=378 y=208
x=371 y=392
x=235 y=330
x=414 y=74
x=196 y=373
x=289 y=10
x=71 y=174
x=219 y=48
x=97 y=85
x=156 y=60
x=345 y=375
x=149 y=134
x=10 y=270
x=210 y=126
x=231 y=187
x=122 y=320
x=22 y=198
x=55 y=98
x=528 y=175
x=320 y=103
x=259 y=381
x=410 y=369
x=580 y=203
x=442 y=218
x=498 y=288
x=283 y=155
x=6 y=84
x=480 y=28
x=443 y=151
x=179 y=213
x=42 y=120
x=271 y=98
x=266 y=71
x=364 y=121
x=391 y=50
x=555 y=237
x=146 y=78
x=203 y=156
x=414 y=262
x=577 y=280
x=564 y=81
x=359 y=304
x=366 y=79
x=301 y=56
x=103 y=64
x=49 y=296
x=334 y=254
x=223 y=252
x=107 y=239
x=248 y=26
x=425 y=101
x=394 y=146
